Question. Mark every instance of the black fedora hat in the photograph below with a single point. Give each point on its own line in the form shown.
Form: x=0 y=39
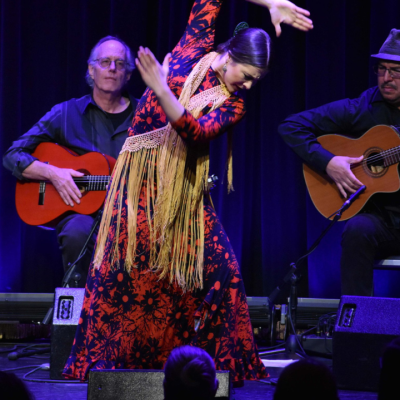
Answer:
x=390 y=50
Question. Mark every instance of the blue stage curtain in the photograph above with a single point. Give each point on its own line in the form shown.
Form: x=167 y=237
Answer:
x=269 y=218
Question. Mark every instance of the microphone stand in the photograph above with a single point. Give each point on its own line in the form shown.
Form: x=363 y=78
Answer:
x=71 y=269
x=77 y=277
x=293 y=276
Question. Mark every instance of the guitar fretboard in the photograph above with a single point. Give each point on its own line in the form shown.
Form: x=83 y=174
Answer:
x=391 y=156
x=93 y=182
x=385 y=158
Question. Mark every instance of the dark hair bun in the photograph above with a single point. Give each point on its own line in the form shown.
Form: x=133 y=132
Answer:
x=249 y=46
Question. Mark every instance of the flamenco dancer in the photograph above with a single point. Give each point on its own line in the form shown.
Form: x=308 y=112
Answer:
x=164 y=273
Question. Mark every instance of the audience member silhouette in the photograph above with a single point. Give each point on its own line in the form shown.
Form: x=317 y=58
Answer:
x=13 y=388
x=390 y=372
x=306 y=379
x=189 y=374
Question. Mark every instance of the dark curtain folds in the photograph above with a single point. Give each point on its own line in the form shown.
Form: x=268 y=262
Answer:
x=44 y=45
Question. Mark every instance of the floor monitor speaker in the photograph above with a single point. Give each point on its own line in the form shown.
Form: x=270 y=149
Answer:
x=139 y=384
x=67 y=309
x=364 y=327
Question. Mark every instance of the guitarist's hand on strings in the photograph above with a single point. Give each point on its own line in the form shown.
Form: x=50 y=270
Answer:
x=339 y=171
x=61 y=179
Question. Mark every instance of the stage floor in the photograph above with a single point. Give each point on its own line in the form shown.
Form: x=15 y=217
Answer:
x=71 y=391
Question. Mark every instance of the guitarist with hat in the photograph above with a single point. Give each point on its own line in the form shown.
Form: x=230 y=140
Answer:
x=375 y=232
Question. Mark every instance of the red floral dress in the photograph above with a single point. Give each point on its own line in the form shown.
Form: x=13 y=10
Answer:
x=134 y=320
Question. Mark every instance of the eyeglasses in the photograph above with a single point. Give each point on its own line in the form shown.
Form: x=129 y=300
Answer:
x=380 y=70
x=105 y=63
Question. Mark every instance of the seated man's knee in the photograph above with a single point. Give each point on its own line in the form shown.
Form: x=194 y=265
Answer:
x=74 y=230
x=360 y=229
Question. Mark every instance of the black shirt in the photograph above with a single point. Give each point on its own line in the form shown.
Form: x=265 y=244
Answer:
x=78 y=124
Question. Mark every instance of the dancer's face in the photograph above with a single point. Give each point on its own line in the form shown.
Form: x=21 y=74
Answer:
x=240 y=76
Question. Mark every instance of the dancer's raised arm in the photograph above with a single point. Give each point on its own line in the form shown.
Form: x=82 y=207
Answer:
x=283 y=11
x=154 y=75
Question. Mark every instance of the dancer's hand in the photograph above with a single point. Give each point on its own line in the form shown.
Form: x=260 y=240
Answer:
x=154 y=74
x=283 y=11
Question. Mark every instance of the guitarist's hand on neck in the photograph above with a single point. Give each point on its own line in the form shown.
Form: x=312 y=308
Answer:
x=61 y=178
x=339 y=171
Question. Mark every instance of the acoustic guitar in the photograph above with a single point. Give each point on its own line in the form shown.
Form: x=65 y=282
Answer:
x=38 y=202
x=377 y=171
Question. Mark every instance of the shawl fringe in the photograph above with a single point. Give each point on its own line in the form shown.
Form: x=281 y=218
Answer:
x=175 y=216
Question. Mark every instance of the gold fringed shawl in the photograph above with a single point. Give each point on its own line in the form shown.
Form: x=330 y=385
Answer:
x=177 y=225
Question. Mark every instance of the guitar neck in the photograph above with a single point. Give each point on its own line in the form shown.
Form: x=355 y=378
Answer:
x=93 y=182
x=384 y=158
x=391 y=156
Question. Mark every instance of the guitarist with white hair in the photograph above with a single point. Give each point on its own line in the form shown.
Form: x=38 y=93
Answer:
x=375 y=232
x=97 y=122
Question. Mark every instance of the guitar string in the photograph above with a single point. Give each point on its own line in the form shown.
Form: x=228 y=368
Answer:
x=92 y=178
x=388 y=153
x=383 y=154
x=94 y=182
x=394 y=152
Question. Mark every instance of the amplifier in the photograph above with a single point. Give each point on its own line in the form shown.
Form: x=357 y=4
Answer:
x=309 y=311
x=25 y=307
x=260 y=311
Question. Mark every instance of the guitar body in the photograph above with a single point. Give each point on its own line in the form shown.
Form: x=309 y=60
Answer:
x=324 y=192
x=53 y=209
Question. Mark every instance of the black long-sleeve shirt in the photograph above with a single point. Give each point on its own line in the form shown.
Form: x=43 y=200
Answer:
x=78 y=124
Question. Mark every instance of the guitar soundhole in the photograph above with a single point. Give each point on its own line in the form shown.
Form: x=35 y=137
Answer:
x=374 y=163
x=82 y=187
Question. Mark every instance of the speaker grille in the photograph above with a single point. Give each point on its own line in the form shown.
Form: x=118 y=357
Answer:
x=139 y=385
x=364 y=327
